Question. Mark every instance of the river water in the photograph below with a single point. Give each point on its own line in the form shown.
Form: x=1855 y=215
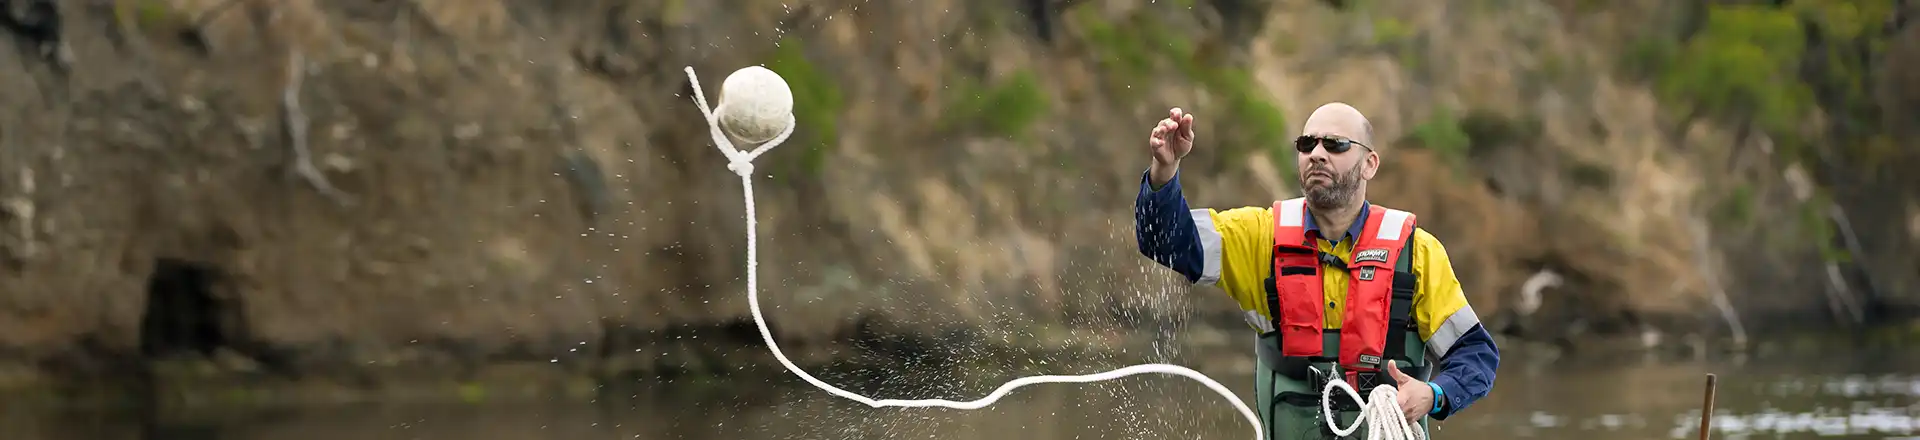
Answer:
x=1843 y=394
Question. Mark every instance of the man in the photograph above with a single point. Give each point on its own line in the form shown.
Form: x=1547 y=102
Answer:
x=1379 y=291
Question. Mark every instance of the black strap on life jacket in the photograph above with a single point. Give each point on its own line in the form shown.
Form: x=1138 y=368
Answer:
x=1400 y=310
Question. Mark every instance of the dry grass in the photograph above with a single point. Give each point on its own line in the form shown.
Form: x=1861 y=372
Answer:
x=233 y=25
x=476 y=20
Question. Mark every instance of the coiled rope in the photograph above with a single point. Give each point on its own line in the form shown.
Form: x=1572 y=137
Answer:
x=741 y=163
x=1380 y=413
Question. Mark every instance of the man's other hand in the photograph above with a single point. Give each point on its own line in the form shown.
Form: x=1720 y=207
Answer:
x=1416 y=398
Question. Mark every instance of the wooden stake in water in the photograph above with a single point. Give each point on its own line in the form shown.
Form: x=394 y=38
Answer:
x=1706 y=414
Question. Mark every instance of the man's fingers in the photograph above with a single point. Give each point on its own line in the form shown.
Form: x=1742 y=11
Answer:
x=1398 y=376
x=1407 y=408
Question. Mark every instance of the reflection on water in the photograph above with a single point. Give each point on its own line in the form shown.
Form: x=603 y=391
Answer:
x=1837 y=395
x=1827 y=397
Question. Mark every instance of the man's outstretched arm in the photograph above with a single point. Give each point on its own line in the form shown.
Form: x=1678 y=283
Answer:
x=1164 y=228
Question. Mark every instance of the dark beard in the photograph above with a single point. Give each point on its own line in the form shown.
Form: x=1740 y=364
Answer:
x=1336 y=194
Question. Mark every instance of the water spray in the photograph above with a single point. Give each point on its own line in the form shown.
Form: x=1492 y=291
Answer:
x=756 y=103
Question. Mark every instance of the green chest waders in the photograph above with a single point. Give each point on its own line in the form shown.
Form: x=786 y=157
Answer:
x=1287 y=390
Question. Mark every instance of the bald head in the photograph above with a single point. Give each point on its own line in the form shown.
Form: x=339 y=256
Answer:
x=1335 y=182
x=1339 y=119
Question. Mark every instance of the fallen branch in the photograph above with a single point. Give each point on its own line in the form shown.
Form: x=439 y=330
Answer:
x=1716 y=292
x=1840 y=297
x=1858 y=252
x=296 y=130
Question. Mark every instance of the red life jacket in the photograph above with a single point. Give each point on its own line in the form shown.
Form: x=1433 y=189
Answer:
x=1378 y=302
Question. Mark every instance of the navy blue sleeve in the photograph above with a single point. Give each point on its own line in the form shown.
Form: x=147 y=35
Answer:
x=1467 y=371
x=1164 y=228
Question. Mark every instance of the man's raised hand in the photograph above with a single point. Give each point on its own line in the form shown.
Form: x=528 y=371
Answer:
x=1170 y=140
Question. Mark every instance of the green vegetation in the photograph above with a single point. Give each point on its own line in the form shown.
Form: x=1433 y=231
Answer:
x=675 y=11
x=1008 y=108
x=1394 y=36
x=1555 y=68
x=1256 y=122
x=1741 y=66
x=1817 y=227
x=131 y=16
x=469 y=392
x=1770 y=69
x=1590 y=6
x=1442 y=134
x=151 y=12
x=1458 y=139
x=1737 y=208
x=1490 y=130
x=817 y=104
x=1135 y=48
x=1389 y=31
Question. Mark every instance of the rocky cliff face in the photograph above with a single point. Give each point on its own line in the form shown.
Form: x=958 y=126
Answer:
x=332 y=185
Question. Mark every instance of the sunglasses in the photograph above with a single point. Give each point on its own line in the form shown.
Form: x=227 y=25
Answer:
x=1335 y=145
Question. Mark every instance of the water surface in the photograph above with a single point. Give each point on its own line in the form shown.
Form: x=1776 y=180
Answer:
x=1833 y=396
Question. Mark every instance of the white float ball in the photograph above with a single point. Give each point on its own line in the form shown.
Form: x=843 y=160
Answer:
x=755 y=104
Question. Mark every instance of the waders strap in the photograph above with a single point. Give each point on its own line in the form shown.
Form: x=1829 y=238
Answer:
x=1400 y=309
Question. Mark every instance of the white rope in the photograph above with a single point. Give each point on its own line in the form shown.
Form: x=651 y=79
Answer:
x=1381 y=412
x=741 y=163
